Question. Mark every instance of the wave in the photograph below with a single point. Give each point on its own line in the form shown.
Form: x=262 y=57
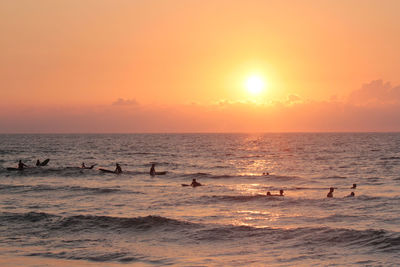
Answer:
x=240 y=198
x=104 y=256
x=390 y=158
x=93 y=230
x=370 y=239
x=7 y=188
x=92 y=222
x=199 y=175
x=61 y=172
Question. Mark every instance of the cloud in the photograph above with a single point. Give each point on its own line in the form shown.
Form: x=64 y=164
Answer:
x=293 y=99
x=123 y=102
x=376 y=92
x=373 y=107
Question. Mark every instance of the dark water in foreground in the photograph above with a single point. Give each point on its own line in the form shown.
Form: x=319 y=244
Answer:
x=61 y=212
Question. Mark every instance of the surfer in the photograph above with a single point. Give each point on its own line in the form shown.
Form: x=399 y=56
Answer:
x=153 y=170
x=276 y=195
x=354 y=186
x=351 y=194
x=195 y=183
x=83 y=166
x=43 y=163
x=330 y=194
x=21 y=165
x=117 y=168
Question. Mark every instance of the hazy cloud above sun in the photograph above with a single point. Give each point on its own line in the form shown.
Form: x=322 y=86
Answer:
x=375 y=106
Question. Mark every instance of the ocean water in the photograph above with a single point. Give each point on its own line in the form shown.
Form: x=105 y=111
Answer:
x=63 y=215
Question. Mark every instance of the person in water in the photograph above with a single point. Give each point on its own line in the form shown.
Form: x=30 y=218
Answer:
x=83 y=166
x=330 y=194
x=351 y=194
x=153 y=170
x=38 y=163
x=276 y=195
x=354 y=186
x=21 y=165
x=195 y=183
x=117 y=168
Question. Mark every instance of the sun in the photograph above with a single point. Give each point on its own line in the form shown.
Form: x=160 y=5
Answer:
x=254 y=85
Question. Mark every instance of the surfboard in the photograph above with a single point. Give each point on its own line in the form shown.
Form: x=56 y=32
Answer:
x=44 y=162
x=185 y=184
x=89 y=168
x=161 y=173
x=13 y=169
x=107 y=171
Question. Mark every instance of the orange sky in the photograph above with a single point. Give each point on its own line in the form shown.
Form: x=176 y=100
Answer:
x=182 y=59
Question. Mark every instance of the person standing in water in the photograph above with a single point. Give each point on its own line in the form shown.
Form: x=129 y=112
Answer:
x=330 y=194
x=153 y=170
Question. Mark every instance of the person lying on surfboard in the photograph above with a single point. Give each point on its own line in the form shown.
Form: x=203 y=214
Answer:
x=83 y=166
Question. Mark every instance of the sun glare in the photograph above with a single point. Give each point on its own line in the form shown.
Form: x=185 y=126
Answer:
x=254 y=85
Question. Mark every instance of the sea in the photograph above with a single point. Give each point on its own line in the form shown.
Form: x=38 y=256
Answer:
x=63 y=215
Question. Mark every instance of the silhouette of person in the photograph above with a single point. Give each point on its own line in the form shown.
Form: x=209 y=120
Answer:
x=21 y=165
x=276 y=195
x=117 y=168
x=354 y=186
x=351 y=194
x=38 y=163
x=84 y=166
x=330 y=194
x=195 y=183
x=153 y=170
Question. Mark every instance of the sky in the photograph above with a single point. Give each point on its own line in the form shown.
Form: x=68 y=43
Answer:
x=98 y=66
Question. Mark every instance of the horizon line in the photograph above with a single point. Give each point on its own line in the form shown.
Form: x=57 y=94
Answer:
x=233 y=132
